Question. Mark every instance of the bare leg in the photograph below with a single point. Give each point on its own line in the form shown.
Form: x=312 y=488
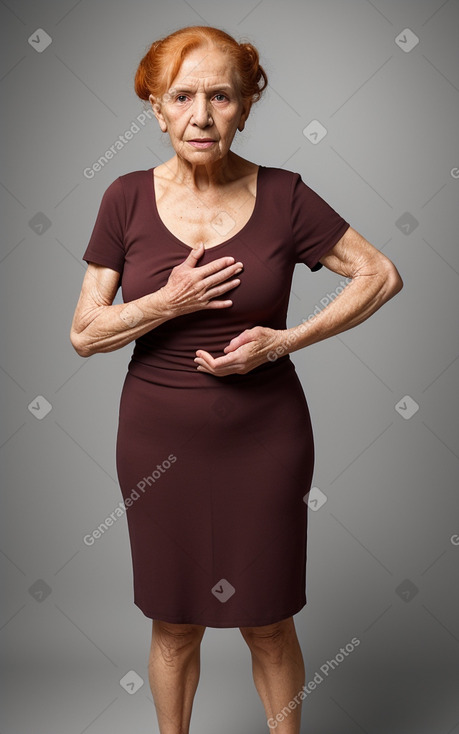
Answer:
x=278 y=672
x=174 y=668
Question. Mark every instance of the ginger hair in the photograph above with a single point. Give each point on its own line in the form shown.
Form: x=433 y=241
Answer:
x=160 y=65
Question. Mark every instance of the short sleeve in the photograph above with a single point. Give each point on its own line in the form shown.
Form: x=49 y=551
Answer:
x=106 y=244
x=316 y=226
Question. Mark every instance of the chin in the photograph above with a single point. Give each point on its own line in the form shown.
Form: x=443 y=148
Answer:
x=204 y=155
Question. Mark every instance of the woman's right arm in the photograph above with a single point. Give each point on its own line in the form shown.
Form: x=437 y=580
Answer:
x=100 y=326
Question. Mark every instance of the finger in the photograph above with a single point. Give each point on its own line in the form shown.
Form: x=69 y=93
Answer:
x=211 y=370
x=199 y=368
x=205 y=359
x=231 y=347
x=219 y=265
x=222 y=275
x=194 y=255
x=216 y=303
x=217 y=367
x=244 y=338
x=221 y=289
x=203 y=362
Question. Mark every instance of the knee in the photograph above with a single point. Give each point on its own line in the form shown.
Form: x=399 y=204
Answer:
x=270 y=640
x=176 y=640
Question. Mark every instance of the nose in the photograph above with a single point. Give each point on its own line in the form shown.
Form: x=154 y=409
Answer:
x=201 y=115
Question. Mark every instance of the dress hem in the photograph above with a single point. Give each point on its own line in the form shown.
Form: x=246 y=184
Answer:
x=186 y=620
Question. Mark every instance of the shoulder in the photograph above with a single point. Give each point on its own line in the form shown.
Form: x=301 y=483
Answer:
x=128 y=181
x=126 y=188
x=280 y=177
x=281 y=173
x=134 y=179
x=280 y=183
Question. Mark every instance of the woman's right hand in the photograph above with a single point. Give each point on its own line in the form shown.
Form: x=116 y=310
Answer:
x=191 y=288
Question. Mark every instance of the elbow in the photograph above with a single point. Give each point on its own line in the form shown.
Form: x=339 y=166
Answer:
x=80 y=345
x=390 y=282
x=394 y=282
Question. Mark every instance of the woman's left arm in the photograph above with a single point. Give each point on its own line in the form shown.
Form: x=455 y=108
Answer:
x=374 y=280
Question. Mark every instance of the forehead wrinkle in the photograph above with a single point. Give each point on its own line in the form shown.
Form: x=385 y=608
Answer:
x=211 y=87
x=206 y=76
x=205 y=85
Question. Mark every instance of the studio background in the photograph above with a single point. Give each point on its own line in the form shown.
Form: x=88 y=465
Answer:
x=381 y=80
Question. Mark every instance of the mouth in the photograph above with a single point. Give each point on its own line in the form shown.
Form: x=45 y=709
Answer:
x=201 y=142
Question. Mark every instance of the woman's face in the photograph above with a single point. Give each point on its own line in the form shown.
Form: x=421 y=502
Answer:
x=203 y=108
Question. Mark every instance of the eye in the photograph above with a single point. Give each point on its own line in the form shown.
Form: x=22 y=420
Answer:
x=181 y=98
x=220 y=97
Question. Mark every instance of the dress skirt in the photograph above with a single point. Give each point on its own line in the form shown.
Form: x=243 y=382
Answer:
x=214 y=473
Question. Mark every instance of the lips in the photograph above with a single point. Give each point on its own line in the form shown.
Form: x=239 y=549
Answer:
x=201 y=143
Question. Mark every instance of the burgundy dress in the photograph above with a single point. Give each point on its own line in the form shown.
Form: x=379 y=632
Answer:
x=214 y=470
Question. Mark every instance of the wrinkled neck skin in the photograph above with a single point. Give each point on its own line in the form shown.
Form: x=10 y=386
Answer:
x=212 y=175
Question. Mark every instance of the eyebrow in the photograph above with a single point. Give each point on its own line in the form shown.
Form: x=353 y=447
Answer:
x=187 y=88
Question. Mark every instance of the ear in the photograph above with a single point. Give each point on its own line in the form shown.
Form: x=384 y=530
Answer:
x=156 y=107
x=247 y=104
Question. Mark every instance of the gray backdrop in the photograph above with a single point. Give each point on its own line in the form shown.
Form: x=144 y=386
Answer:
x=381 y=78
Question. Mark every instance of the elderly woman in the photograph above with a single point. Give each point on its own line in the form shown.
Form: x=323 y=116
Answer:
x=215 y=448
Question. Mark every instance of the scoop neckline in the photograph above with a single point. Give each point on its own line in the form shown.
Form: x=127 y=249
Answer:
x=221 y=244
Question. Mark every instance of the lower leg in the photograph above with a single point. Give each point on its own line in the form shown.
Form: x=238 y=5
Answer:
x=278 y=673
x=174 y=668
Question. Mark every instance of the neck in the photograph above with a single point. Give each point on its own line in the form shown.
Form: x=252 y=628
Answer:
x=203 y=177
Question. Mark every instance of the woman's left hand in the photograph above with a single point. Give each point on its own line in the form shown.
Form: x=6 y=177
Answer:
x=243 y=353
